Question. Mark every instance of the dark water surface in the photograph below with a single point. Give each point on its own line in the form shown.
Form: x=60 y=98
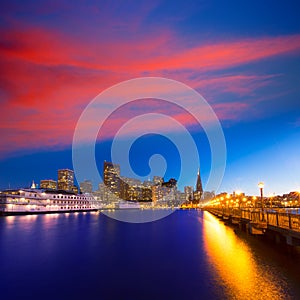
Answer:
x=187 y=255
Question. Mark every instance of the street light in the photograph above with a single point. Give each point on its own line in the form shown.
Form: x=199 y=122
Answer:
x=298 y=202
x=261 y=188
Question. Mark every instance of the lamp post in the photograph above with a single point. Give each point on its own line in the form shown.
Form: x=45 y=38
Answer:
x=261 y=188
x=298 y=202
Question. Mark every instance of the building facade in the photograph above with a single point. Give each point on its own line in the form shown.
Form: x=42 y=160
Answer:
x=86 y=186
x=48 y=184
x=189 y=193
x=157 y=180
x=199 y=190
x=65 y=180
x=111 y=178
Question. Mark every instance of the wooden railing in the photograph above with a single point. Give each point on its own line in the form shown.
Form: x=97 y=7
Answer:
x=283 y=220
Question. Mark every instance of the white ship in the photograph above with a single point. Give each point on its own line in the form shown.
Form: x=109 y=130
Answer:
x=45 y=201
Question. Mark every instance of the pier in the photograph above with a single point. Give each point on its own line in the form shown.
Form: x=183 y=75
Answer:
x=283 y=227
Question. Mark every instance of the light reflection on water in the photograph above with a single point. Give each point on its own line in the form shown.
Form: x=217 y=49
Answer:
x=242 y=274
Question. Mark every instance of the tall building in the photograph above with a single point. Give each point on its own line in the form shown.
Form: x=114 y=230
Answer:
x=147 y=193
x=75 y=189
x=157 y=193
x=49 y=184
x=86 y=186
x=199 y=190
x=147 y=190
x=65 y=179
x=157 y=180
x=100 y=193
x=165 y=193
x=111 y=178
x=188 y=193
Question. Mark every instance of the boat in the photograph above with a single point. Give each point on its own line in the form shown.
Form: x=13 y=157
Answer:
x=27 y=201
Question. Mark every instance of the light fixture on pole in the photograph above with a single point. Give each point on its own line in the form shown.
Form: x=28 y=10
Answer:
x=261 y=188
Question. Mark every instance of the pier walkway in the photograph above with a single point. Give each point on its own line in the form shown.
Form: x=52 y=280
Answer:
x=281 y=225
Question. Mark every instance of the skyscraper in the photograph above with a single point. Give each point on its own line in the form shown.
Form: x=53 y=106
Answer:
x=199 y=190
x=111 y=177
x=188 y=191
x=86 y=186
x=48 y=184
x=165 y=193
x=157 y=180
x=65 y=179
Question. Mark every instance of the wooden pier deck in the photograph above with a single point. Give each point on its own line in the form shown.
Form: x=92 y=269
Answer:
x=279 y=224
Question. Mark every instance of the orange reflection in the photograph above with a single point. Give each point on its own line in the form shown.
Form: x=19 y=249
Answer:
x=10 y=219
x=31 y=217
x=49 y=220
x=237 y=269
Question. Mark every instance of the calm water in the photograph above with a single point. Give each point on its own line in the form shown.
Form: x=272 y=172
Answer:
x=187 y=255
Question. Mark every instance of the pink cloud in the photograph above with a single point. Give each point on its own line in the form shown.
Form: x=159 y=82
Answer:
x=46 y=78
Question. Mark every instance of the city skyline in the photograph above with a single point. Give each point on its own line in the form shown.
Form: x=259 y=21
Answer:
x=112 y=174
x=56 y=58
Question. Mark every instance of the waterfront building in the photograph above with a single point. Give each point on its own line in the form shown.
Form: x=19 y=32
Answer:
x=146 y=193
x=134 y=193
x=148 y=183
x=165 y=194
x=147 y=190
x=111 y=178
x=75 y=189
x=49 y=184
x=157 y=180
x=99 y=194
x=86 y=186
x=180 y=197
x=65 y=180
x=188 y=192
x=157 y=193
x=134 y=190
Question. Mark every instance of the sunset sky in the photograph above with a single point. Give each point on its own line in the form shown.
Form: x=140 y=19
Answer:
x=243 y=58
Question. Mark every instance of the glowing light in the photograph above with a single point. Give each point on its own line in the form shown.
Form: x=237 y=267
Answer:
x=234 y=263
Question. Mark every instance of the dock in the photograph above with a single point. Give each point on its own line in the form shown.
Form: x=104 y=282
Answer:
x=280 y=226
